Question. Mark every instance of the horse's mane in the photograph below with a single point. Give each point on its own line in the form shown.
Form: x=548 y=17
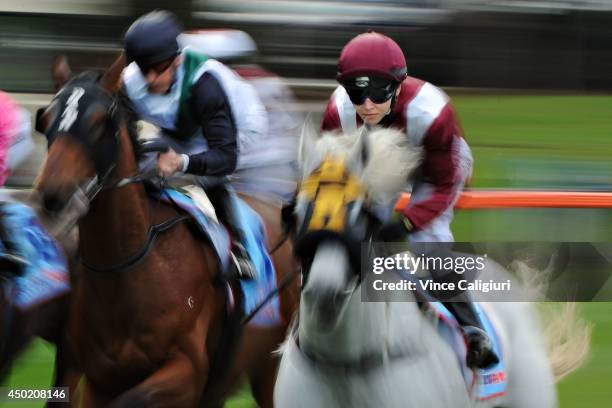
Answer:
x=390 y=158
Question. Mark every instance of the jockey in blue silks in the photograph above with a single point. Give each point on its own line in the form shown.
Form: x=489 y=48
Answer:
x=207 y=114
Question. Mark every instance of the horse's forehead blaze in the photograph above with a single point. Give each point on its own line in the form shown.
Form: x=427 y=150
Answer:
x=329 y=189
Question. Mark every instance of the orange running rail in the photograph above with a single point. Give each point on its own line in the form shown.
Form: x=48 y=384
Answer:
x=474 y=199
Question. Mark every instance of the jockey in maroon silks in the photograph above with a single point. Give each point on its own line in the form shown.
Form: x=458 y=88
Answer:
x=375 y=90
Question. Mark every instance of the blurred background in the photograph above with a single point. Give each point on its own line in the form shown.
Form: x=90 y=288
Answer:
x=531 y=81
x=561 y=45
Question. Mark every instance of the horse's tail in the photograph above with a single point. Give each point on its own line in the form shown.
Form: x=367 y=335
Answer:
x=567 y=338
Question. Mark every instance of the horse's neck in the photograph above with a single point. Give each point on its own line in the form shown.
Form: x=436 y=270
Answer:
x=117 y=223
x=366 y=328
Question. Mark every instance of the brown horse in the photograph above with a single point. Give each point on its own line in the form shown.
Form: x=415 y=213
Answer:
x=148 y=315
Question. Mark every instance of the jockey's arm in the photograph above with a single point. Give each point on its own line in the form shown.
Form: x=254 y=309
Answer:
x=440 y=168
x=211 y=106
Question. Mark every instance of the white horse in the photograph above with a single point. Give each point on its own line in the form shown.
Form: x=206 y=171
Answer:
x=349 y=353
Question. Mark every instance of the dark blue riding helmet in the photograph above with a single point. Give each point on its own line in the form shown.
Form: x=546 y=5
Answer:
x=152 y=39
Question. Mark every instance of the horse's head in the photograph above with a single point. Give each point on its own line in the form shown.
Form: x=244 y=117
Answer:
x=344 y=177
x=82 y=127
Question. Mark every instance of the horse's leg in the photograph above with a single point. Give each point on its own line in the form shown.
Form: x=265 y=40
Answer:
x=175 y=384
x=264 y=342
x=263 y=379
x=50 y=325
x=66 y=373
x=255 y=357
x=16 y=336
x=256 y=353
x=180 y=380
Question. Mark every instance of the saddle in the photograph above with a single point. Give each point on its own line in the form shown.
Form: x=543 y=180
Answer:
x=34 y=261
x=255 y=290
x=11 y=264
x=483 y=384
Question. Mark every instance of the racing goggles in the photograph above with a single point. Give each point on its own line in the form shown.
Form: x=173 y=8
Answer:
x=377 y=90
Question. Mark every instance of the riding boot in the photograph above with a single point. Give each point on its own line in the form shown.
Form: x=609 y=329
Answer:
x=480 y=348
x=242 y=266
x=480 y=352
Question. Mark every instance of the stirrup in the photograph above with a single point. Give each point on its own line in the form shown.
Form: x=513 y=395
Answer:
x=12 y=264
x=480 y=353
x=242 y=265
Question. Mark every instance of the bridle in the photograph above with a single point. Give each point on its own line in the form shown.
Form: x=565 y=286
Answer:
x=320 y=219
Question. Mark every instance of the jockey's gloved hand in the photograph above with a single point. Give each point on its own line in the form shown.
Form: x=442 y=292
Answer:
x=395 y=231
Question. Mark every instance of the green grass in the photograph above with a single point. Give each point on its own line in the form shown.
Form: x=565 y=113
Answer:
x=590 y=386
x=577 y=126
x=518 y=142
x=564 y=140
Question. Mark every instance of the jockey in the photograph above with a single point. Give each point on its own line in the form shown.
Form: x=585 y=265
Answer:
x=376 y=91
x=206 y=112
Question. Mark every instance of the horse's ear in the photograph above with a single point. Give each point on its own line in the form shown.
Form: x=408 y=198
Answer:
x=60 y=71
x=308 y=140
x=111 y=80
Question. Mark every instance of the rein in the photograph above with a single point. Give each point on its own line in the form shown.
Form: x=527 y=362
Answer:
x=85 y=195
x=136 y=258
x=91 y=191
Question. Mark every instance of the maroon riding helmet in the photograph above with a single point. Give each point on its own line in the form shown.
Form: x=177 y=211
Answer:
x=372 y=66
x=372 y=54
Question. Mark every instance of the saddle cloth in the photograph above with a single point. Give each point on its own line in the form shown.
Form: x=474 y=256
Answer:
x=254 y=290
x=482 y=384
x=45 y=276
